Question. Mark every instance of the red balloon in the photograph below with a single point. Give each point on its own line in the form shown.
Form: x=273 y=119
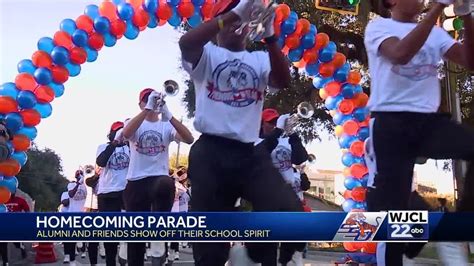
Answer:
x=96 y=41
x=5 y=195
x=165 y=12
x=347 y=194
x=41 y=59
x=135 y=3
x=369 y=247
x=339 y=60
x=349 y=246
x=118 y=28
x=31 y=117
x=78 y=55
x=282 y=12
x=60 y=74
x=140 y=18
x=346 y=172
x=8 y=105
x=9 y=167
x=21 y=142
x=365 y=123
x=333 y=88
x=85 y=23
x=162 y=22
x=361 y=99
x=310 y=55
x=293 y=41
x=277 y=27
x=358 y=170
x=322 y=40
x=346 y=106
x=357 y=148
x=206 y=10
x=25 y=81
x=304 y=25
x=354 y=77
x=358 y=193
x=108 y=9
x=326 y=70
x=44 y=94
x=351 y=127
x=186 y=9
x=62 y=38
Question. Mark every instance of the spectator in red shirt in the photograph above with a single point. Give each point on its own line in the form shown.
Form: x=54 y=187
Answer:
x=17 y=204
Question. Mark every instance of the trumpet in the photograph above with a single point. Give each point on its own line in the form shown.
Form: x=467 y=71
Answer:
x=170 y=88
x=258 y=18
x=89 y=171
x=304 y=110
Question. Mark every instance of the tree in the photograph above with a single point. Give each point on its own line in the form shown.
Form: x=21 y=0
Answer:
x=182 y=161
x=41 y=178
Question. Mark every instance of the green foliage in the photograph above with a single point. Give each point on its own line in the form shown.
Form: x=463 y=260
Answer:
x=41 y=178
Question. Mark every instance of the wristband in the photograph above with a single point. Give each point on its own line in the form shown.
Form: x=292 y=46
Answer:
x=220 y=23
x=271 y=39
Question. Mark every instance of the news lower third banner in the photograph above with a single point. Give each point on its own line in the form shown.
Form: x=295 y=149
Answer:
x=248 y=226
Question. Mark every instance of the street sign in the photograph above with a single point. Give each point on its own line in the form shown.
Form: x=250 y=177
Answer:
x=340 y=6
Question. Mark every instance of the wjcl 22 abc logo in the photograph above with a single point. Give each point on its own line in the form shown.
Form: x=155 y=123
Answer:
x=408 y=225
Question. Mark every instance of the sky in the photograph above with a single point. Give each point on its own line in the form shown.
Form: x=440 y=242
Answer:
x=107 y=89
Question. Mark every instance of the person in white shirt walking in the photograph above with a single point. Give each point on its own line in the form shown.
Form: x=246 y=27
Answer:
x=149 y=187
x=405 y=96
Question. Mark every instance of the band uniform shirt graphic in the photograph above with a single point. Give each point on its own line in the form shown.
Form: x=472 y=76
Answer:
x=230 y=89
x=114 y=176
x=281 y=158
x=149 y=150
x=413 y=87
x=76 y=203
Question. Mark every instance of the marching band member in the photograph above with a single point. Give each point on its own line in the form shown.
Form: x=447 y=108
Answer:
x=149 y=187
x=405 y=97
x=230 y=85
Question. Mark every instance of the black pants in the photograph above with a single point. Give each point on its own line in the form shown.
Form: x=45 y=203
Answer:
x=110 y=202
x=92 y=249
x=174 y=246
x=154 y=193
x=70 y=249
x=222 y=170
x=4 y=252
x=398 y=139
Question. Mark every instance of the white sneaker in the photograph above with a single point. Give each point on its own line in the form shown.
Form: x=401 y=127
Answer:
x=73 y=263
x=297 y=258
x=66 y=259
x=171 y=254
x=148 y=252
x=176 y=255
x=101 y=250
x=453 y=253
x=83 y=255
x=408 y=262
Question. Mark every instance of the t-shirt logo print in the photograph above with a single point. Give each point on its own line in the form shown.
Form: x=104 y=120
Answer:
x=150 y=143
x=421 y=67
x=234 y=83
x=119 y=161
x=282 y=158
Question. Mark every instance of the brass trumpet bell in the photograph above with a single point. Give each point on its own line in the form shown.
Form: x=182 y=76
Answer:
x=171 y=87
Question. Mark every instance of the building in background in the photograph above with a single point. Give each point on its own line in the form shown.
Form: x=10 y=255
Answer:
x=326 y=184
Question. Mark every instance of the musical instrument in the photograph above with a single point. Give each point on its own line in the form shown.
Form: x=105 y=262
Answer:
x=259 y=17
x=170 y=88
x=304 y=110
x=89 y=171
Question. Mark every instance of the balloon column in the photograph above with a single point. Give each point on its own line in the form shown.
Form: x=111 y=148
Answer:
x=40 y=79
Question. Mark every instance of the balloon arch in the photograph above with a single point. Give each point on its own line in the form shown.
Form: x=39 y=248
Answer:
x=26 y=101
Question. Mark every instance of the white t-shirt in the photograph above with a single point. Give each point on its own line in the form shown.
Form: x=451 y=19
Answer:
x=281 y=158
x=296 y=185
x=76 y=203
x=230 y=90
x=91 y=199
x=114 y=175
x=64 y=196
x=413 y=87
x=149 y=150
x=184 y=201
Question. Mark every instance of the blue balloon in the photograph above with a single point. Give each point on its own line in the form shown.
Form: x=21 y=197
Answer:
x=348 y=205
x=196 y=19
x=92 y=11
x=131 y=31
x=43 y=76
x=68 y=25
x=288 y=26
x=125 y=11
x=359 y=160
x=20 y=157
x=13 y=122
x=3 y=208
x=30 y=132
x=360 y=114
x=332 y=45
x=57 y=88
x=326 y=54
x=351 y=183
x=150 y=6
x=313 y=29
x=60 y=55
x=345 y=141
x=319 y=82
x=295 y=55
x=348 y=91
x=363 y=133
x=80 y=38
x=358 y=89
x=74 y=70
x=341 y=74
x=340 y=118
x=198 y=2
x=9 y=89
x=9 y=144
x=360 y=205
x=44 y=109
x=348 y=159
x=153 y=22
x=332 y=102
x=91 y=54
x=175 y=19
x=26 y=99
x=308 y=40
x=293 y=15
x=281 y=41
x=364 y=180
x=173 y=2
x=109 y=40
x=46 y=44
x=102 y=25
x=118 y=2
x=11 y=183
x=312 y=69
x=26 y=66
